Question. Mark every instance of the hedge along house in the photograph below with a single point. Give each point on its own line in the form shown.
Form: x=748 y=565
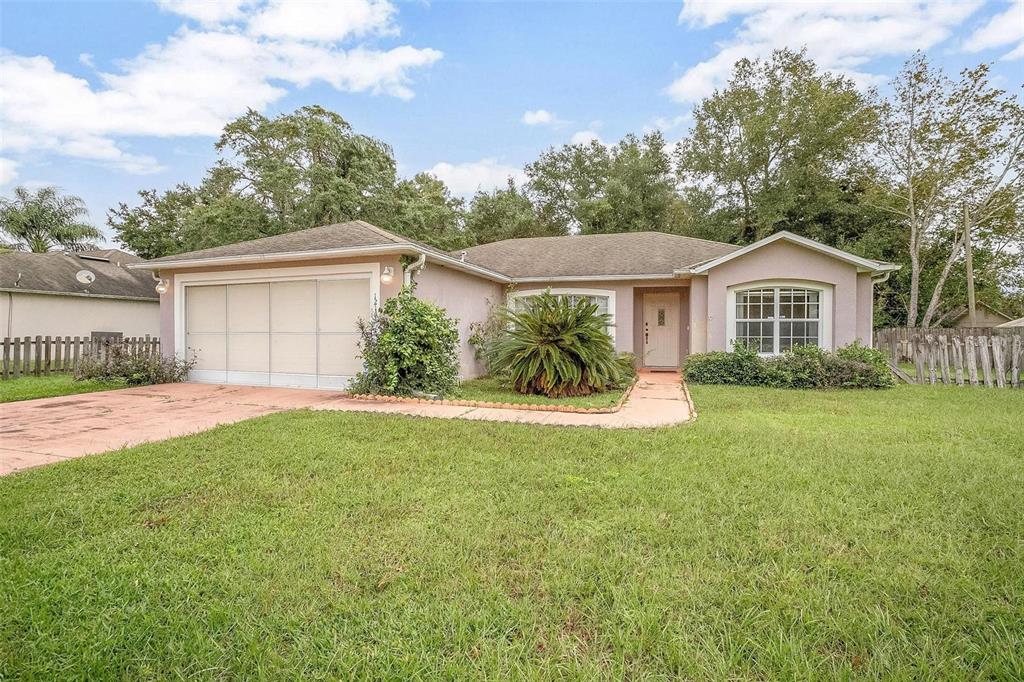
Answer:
x=283 y=310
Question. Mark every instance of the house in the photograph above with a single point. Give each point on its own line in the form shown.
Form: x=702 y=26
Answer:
x=986 y=316
x=1019 y=322
x=283 y=310
x=82 y=293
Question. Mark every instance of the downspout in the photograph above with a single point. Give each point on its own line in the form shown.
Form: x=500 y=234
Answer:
x=415 y=266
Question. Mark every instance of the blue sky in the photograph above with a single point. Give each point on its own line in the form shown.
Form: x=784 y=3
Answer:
x=106 y=98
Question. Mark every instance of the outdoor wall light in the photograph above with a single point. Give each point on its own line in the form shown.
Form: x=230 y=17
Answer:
x=161 y=284
x=387 y=275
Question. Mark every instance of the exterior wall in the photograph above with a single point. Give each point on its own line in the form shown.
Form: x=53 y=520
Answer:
x=467 y=298
x=55 y=315
x=852 y=293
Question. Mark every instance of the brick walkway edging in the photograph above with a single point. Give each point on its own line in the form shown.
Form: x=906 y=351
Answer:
x=527 y=407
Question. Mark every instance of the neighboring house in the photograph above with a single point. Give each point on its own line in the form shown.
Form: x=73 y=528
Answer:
x=76 y=294
x=1019 y=322
x=986 y=316
x=283 y=310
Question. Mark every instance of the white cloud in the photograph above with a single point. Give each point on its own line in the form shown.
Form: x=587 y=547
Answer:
x=205 y=11
x=843 y=37
x=8 y=171
x=539 y=117
x=464 y=179
x=323 y=20
x=1002 y=29
x=585 y=137
x=191 y=84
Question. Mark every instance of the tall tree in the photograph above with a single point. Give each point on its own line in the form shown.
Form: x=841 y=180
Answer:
x=774 y=146
x=46 y=219
x=504 y=213
x=592 y=188
x=950 y=165
x=424 y=209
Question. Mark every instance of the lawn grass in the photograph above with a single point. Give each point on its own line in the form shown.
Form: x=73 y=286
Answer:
x=492 y=390
x=28 y=388
x=783 y=535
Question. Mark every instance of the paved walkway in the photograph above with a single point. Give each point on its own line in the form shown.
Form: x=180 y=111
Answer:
x=36 y=432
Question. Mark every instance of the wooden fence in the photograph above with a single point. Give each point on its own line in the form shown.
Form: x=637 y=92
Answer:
x=994 y=360
x=45 y=355
x=899 y=342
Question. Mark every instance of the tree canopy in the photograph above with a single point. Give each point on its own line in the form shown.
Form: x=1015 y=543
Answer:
x=44 y=220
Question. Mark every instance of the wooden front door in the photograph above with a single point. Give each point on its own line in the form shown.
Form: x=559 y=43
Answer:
x=661 y=330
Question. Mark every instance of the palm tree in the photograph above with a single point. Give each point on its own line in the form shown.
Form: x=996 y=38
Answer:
x=42 y=221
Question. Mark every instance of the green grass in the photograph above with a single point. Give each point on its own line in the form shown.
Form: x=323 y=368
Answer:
x=491 y=390
x=27 y=388
x=783 y=535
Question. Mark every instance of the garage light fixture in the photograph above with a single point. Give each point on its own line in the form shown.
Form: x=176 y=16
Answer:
x=387 y=275
x=161 y=284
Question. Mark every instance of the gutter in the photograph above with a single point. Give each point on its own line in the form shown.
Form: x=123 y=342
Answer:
x=81 y=295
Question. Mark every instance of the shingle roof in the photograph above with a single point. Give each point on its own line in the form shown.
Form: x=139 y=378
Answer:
x=620 y=254
x=352 y=234
x=55 y=272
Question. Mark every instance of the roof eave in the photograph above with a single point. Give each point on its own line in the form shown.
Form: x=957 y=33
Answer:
x=594 y=278
x=79 y=294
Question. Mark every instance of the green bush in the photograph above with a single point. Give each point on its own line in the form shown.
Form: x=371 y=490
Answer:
x=556 y=347
x=853 y=366
x=120 y=363
x=408 y=346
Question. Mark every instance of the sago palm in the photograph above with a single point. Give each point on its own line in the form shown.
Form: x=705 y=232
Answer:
x=557 y=347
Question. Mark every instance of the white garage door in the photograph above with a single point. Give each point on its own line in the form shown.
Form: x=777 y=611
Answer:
x=293 y=333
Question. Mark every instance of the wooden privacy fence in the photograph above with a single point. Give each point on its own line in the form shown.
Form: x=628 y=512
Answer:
x=44 y=355
x=899 y=342
x=975 y=360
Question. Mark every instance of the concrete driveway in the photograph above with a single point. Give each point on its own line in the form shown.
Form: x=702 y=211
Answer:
x=36 y=432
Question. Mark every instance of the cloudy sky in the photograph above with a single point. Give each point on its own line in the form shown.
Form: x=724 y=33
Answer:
x=106 y=98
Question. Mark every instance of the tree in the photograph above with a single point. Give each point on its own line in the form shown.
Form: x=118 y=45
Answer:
x=591 y=188
x=773 y=148
x=276 y=175
x=949 y=165
x=504 y=213
x=45 y=220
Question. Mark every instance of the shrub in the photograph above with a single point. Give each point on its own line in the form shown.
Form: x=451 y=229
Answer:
x=853 y=366
x=742 y=367
x=556 y=347
x=408 y=346
x=119 y=363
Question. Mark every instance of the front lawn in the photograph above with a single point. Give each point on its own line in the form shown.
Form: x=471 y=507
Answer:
x=27 y=388
x=491 y=390
x=783 y=535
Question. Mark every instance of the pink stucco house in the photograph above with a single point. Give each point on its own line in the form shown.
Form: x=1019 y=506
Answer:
x=282 y=310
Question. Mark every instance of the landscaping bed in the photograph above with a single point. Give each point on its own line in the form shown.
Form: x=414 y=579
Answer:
x=786 y=534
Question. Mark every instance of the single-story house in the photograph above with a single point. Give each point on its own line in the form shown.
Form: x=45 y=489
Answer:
x=282 y=310
x=84 y=293
x=985 y=316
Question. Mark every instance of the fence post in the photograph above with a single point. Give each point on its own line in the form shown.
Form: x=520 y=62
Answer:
x=998 y=361
x=972 y=361
x=1016 y=351
x=958 y=360
x=986 y=360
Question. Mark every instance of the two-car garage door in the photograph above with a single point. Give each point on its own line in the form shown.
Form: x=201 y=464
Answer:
x=299 y=333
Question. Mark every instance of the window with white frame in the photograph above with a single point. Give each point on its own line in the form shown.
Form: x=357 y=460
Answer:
x=774 y=319
x=604 y=300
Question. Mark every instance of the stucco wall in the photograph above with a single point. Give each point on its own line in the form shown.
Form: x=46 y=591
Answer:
x=852 y=293
x=52 y=315
x=466 y=298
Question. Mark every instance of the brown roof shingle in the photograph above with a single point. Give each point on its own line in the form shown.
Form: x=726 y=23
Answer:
x=619 y=254
x=55 y=272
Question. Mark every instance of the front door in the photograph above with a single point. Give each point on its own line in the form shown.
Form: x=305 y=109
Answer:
x=661 y=330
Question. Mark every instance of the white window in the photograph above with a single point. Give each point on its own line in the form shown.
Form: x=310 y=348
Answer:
x=774 y=318
x=604 y=300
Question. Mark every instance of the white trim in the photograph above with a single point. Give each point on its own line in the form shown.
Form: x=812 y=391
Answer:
x=577 y=291
x=825 y=310
x=862 y=263
x=594 y=278
x=182 y=280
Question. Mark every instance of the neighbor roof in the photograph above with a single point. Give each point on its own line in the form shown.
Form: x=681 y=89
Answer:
x=620 y=254
x=55 y=273
x=1019 y=322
